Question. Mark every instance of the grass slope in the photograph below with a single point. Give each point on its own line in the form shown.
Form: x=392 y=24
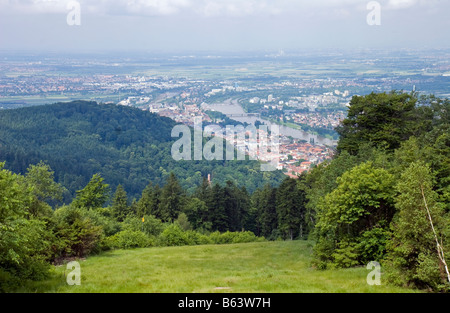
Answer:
x=251 y=267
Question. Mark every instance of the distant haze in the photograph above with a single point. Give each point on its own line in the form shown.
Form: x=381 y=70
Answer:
x=221 y=25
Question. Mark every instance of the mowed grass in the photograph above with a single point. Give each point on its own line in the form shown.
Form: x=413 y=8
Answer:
x=276 y=267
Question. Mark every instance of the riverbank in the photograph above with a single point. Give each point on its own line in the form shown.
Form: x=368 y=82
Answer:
x=231 y=108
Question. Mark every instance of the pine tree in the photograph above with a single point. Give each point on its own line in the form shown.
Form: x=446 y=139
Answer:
x=232 y=208
x=244 y=205
x=203 y=205
x=290 y=208
x=216 y=209
x=203 y=191
x=120 y=204
x=171 y=199
x=269 y=217
x=155 y=202
x=197 y=214
x=148 y=201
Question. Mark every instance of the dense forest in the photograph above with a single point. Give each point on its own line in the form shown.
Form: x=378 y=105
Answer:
x=384 y=197
x=127 y=146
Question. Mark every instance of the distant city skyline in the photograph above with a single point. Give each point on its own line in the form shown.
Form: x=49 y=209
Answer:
x=220 y=25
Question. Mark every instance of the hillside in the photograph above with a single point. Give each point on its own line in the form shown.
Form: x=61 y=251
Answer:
x=125 y=145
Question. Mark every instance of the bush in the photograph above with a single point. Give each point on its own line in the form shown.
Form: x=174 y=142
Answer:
x=246 y=236
x=151 y=225
x=24 y=248
x=323 y=251
x=428 y=274
x=223 y=238
x=214 y=237
x=345 y=255
x=196 y=238
x=78 y=235
x=127 y=239
x=173 y=235
x=103 y=217
x=23 y=253
x=8 y=281
x=234 y=237
x=183 y=222
x=372 y=245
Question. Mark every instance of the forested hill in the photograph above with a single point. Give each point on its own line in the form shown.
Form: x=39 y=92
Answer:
x=124 y=145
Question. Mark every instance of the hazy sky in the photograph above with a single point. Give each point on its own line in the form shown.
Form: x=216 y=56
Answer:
x=217 y=25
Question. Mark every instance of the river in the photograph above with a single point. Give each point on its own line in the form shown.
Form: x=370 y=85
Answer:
x=231 y=106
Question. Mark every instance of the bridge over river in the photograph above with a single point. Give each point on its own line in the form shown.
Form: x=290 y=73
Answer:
x=257 y=115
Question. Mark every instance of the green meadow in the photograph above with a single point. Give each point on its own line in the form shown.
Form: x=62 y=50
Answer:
x=259 y=267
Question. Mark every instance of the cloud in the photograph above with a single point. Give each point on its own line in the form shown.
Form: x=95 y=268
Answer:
x=401 y=4
x=127 y=7
x=154 y=7
x=33 y=6
x=207 y=8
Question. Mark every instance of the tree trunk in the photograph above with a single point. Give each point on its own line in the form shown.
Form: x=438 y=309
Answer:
x=440 y=250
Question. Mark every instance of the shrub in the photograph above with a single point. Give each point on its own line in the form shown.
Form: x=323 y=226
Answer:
x=196 y=238
x=226 y=237
x=203 y=239
x=127 y=239
x=323 y=251
x=173 y=236
x=77 y=234
x=246 y=236
x=151 y=225
x=23 y=250
x=233 y=237
x=345 y=255
x=23 y=253
x=214 y=237
x=183 y=222
x=103 y=217
x=8 y=281
x=372 y=245
x=428 y=273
